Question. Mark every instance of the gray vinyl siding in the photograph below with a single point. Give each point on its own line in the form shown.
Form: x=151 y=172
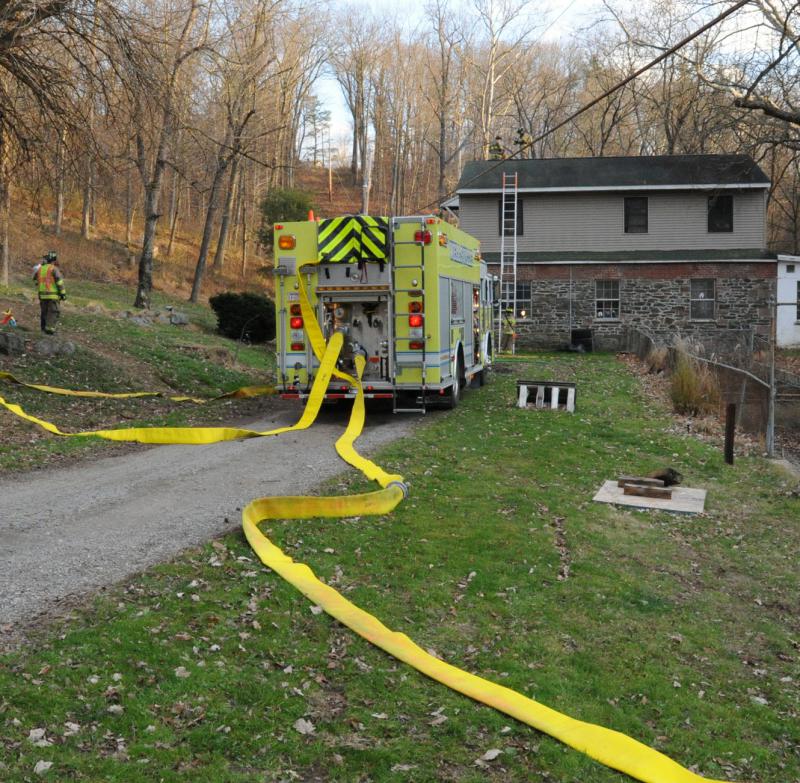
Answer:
x=595 y=222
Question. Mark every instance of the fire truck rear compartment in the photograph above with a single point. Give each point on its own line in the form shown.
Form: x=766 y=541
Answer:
x=366 y=327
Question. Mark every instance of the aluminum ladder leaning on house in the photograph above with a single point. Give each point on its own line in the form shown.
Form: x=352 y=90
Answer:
x=508 y=253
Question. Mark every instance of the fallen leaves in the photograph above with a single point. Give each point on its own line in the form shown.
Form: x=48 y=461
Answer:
x=303 y=726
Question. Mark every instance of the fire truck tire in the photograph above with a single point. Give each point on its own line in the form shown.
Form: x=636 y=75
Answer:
x=454 y=392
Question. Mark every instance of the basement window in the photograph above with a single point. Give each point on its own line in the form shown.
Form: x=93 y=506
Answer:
x=720 y=214
x=702 y=300
x=606 y=299
x=636 y=215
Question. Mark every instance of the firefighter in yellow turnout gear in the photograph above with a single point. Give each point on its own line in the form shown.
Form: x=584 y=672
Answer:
x=50 y=287
x=509 y=330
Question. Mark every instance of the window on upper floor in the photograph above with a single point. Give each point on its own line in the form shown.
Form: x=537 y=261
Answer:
x=606 y=299
x=702 y=300
x=506 y=218
x=720 y=214
x=636 y=215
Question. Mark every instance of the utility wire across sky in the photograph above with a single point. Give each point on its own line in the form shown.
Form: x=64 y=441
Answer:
x=618 y=86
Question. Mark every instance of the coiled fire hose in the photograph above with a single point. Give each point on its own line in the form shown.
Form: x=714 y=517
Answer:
x=609 y=747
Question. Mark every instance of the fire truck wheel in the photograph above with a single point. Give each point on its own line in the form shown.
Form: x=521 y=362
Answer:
x=454 y=392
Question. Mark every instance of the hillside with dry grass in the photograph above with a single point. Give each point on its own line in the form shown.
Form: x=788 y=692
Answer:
x=105 y=257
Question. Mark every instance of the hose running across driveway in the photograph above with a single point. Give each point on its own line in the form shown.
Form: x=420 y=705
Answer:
x=609 y=747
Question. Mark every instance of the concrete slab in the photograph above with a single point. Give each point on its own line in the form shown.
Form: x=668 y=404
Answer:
x=684 y=500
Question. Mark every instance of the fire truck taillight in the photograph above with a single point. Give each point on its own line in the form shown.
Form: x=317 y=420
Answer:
x=296 y=322
x=415 y=321
x=416 y=345
x=422 y=237
x=415 y=307
x=287 y=242
x=298 y=346
x=295 y=309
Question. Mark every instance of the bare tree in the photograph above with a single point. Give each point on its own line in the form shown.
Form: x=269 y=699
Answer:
x=155 y=68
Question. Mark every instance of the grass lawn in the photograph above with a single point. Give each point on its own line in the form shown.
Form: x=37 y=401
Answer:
x=116 y=355
x=683 y=632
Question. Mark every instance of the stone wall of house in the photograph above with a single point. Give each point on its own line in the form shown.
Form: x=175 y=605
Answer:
x=655 y=297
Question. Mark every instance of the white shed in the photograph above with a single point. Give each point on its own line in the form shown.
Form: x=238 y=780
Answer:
x=788 y=325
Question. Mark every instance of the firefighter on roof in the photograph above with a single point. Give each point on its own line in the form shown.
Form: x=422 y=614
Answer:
x=496 y=150
x=50 y=287
x=523 y=141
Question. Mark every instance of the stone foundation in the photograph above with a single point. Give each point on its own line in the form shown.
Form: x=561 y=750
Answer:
x=653 y=297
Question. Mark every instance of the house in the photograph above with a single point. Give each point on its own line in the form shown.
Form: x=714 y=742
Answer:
x=674 y=244
x=787 y=330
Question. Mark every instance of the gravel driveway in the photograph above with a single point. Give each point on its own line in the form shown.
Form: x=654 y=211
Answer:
x=71 y=531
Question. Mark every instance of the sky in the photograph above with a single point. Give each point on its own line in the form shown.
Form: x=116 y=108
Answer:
x=565 y=18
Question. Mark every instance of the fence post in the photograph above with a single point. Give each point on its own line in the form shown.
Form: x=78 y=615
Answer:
x=730 y=431
x=773 y=308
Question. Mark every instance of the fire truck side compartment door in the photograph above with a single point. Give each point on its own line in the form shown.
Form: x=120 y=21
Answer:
x=444 y=323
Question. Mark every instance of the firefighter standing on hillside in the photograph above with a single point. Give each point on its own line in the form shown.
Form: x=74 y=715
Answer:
x=50 y=287
x=509 y=330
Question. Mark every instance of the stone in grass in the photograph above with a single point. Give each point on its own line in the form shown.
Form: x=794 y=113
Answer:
x=42 y=767
x=50 y=346
x=179 y=319
x=11 y=344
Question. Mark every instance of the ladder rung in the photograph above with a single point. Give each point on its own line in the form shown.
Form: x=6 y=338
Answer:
x=408 y=266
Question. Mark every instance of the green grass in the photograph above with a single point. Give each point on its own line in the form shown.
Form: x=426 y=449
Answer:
x=116 y=355
x=669 y=628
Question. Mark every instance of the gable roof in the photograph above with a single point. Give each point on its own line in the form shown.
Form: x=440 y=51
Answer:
x=655 y=172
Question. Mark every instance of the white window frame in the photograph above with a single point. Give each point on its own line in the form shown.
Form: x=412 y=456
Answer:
x=523 y=302
x=606 y=302
x=702 y=297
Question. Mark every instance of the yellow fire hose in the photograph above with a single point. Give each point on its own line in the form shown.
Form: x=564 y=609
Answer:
x=609 y=747
x=244 y=391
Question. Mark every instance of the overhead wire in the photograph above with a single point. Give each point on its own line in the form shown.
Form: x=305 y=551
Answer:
x=592 y=103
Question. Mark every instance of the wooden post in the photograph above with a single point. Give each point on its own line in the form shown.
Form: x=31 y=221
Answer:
x=730 y=431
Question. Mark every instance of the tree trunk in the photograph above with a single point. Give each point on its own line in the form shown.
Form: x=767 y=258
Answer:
x=128 y=208
x=243 y=227
x=60 y=183
x=5 y=210
x=219 y=257
x=152 y=195
x=87 y=201
x=175 y=208
x=208 y=228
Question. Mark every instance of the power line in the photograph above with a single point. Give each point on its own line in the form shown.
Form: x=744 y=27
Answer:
x=663 y=56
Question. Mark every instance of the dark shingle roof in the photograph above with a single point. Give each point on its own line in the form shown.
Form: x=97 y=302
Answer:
x=657 y=171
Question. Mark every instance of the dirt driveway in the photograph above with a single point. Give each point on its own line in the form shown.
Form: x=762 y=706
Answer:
x=68 y=532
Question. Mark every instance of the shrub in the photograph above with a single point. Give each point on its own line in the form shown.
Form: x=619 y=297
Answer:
x=244 y=315
x=657 y=359
x=694 y=388
x=282 y=204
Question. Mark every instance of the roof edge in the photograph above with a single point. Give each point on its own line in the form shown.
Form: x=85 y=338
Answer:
x=619 y=188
